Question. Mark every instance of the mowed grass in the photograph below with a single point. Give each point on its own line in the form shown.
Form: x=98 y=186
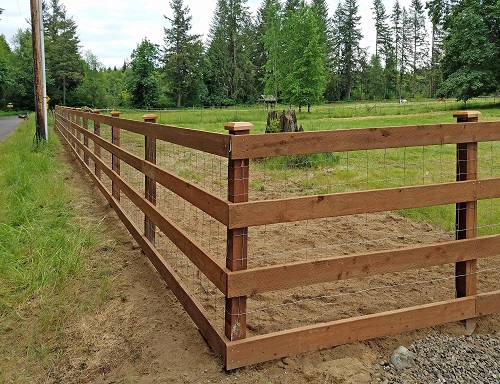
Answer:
x=43 y=253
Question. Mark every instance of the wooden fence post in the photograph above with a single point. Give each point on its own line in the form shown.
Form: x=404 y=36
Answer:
x=115 y=160
x=86 y=140
x=150 y=184
x=466 y=214
x=97 y=148
x=79 y=151
x=237 y=239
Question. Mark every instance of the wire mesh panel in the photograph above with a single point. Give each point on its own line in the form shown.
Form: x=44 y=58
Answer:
x=308 y=236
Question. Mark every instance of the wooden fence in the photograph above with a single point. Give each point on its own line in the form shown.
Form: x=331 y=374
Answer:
x=236 y=281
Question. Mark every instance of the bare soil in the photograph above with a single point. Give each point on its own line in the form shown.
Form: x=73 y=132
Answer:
x=141 y=334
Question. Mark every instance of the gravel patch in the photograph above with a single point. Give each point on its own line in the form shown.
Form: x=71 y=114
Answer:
x=441 y=359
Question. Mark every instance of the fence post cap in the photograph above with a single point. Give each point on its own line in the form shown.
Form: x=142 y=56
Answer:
x=115 y=113
x=236 y=126
x=96 y=111
x=150 y=116
x=467 y=114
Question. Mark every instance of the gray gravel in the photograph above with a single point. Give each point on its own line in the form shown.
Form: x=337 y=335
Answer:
x=445 y=359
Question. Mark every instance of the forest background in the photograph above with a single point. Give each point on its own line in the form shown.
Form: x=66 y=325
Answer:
x=296 y=52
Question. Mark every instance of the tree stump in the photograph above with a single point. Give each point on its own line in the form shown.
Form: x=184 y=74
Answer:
x=287 y=122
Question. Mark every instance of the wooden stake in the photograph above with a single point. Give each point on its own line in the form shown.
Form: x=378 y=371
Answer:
x=236 y=260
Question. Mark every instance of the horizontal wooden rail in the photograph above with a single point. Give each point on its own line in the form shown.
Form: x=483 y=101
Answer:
x=209 y=142
x=301 y=143
x=315 y=337
x=200 y=257
x=181 y=292
x=204 y=200
x=303 y=273
x=349 y=203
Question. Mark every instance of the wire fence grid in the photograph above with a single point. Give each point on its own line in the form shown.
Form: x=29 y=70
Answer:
x=302 y=175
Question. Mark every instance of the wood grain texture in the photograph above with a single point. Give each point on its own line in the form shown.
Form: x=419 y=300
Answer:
x=312 y=338
x=342 y=204
x=300 y=143
x=209 y=142
x=297 y=274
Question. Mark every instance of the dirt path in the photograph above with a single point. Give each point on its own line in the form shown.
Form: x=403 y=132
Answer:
x=142 y=334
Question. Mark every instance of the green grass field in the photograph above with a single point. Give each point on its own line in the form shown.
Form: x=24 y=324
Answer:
x=329 y=173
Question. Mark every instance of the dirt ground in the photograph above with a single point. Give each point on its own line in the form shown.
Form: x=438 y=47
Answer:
x=142 y=334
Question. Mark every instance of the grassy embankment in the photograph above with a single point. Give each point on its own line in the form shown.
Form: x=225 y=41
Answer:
x=43 y=256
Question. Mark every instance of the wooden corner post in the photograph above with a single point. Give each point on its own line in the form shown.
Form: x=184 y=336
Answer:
x=236 y=255
x=466 y=214
x=115 y=160
x=97 y=148
x=150 y=184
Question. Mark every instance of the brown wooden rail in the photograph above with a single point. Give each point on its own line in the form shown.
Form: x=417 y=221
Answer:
x=237 y=282
x=301 y=143
x=349 y=203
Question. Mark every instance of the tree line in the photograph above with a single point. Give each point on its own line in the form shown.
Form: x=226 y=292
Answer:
x=295 y=51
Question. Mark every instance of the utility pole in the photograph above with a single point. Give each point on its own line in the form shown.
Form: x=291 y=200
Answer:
x=38 y=70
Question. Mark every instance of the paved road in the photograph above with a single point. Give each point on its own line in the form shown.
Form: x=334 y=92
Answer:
x=7 y=125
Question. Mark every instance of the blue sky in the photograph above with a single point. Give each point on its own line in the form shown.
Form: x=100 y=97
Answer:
x=112 y=29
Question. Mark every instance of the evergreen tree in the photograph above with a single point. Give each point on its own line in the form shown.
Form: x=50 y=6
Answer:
x=334 y=87
x=144 y=83
x=230 y=73
x=304 y=76
x=183 y=56
x=291 y=5
x=349 y=35
x=435 y=13
x=405 y=51
x=398 y=47
x=63 y=60
x=382 y=35
x=272 y=40
x=419 y=44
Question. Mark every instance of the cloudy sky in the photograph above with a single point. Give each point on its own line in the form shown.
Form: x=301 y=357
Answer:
x=112 y=29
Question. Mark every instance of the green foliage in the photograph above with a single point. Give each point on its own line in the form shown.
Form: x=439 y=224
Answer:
x=230 y=74
x=183 y=57
x=144 y=85
x=40 y=247
x=304 y=59
x=63 y=60
x=470 y=66
x=274 y=126
x=347 y=45
x=316 y=160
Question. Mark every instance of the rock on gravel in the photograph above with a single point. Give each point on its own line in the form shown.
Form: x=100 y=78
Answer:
x=441 y=359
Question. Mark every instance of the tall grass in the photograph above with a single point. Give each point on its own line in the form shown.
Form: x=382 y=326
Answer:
x=40 y=251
